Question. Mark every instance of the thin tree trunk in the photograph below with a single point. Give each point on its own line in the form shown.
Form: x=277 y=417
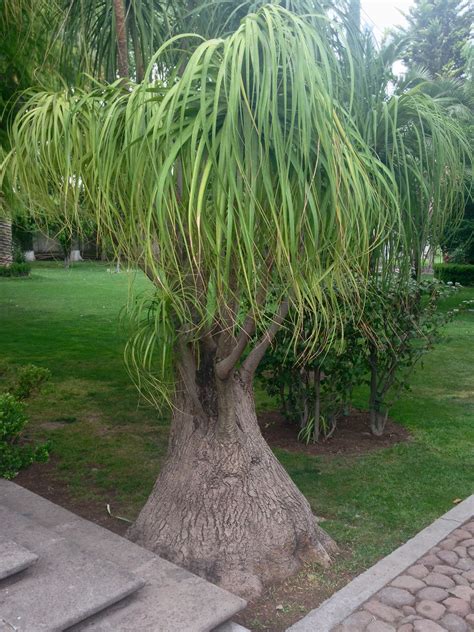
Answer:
x=317 y=404
x=6 y=242
x=378 y=418
x=373 y=392
x=223 y=506
x=122 y=47
x=137 y=51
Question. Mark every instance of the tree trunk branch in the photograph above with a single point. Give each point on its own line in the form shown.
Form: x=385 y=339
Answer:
x=225 y=366
x=255 y=356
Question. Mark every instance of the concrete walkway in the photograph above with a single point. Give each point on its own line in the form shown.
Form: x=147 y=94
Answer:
x=426 y=585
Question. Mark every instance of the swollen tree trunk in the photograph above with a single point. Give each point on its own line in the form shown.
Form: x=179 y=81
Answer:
x=223 y=506
x=6 y=242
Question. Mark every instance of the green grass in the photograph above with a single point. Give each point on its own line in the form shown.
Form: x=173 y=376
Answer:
x=68 y=321
x=109 y=447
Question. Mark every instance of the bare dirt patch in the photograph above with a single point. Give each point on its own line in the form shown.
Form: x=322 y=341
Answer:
x=352 y=435
x=42 y=479
x=284 y=603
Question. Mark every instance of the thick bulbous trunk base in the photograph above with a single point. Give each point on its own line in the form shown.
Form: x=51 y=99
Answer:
x=223 y=506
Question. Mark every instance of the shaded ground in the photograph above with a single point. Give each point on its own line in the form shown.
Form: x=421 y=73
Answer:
x=43 y=479
x=352 y=435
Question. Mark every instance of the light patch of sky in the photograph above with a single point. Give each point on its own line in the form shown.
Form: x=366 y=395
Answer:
x=380 y=15
x=383 y=14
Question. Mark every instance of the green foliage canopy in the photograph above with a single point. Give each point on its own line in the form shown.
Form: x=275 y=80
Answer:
x=254 y=163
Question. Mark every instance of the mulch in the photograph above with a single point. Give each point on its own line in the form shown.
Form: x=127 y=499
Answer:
x=352 y=435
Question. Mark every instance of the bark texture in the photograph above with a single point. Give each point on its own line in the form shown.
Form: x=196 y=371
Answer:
x=223 y=506
x=6 y=242
x=122 y=45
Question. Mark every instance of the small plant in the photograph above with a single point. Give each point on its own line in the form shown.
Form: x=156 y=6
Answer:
x=314 y=393
x=15 y=270
x=15 y=455
x=29 y=379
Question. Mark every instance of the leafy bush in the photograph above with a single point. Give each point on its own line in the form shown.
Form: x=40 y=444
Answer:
x=15 y=270
x=313 y=393
x=29 y=379
x=18 y=255
x=459 y=245
x=402 y=324
x=14 y=455
x=455 y=273
x=399 y=324
x=23 y=229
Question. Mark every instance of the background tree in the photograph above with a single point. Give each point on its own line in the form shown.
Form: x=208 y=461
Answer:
x=439 y=39
x=437 y=33
x=28 y=57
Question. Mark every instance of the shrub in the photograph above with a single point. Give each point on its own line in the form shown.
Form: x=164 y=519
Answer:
x=399 y=324
x=29 y=379
x=15 y=455
x=313 y=393
x=455 y=273
x=458 y=246
x=15 y=270
x=403 y=323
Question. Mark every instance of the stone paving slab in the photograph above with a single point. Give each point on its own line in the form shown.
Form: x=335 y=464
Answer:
x=172 y=599
x=65 y=585
x=229 y=627
x=389 y=587
x=32 y=506
x=14 y=557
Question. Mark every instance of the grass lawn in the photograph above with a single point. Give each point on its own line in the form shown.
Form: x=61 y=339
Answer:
x=109 y=449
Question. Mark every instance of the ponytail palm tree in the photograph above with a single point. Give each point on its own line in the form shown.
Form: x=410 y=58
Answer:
x=241 y=188
x=238 y=177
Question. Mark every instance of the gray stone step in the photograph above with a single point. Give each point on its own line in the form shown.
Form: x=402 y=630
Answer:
x=65 y=586
x=172 y=600
x=14 y=558
x=230 y=626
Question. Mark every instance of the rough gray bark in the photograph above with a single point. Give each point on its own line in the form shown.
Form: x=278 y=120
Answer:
x=223 y=506
x=6 y=242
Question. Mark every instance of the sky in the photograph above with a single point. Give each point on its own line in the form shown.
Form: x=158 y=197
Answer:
x=383 y=14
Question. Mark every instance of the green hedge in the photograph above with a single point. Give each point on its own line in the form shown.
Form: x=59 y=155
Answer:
x=462 y=273
x=15 y=270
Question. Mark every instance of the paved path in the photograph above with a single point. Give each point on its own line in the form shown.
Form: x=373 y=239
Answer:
x=433 y=595
x=426 y=585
